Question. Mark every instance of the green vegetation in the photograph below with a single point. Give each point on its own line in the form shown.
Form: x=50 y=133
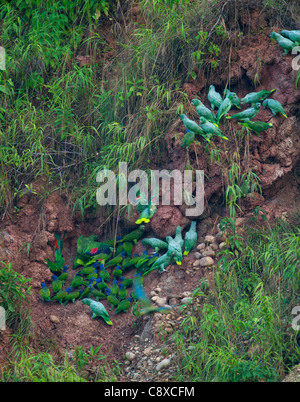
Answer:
x=241 y=328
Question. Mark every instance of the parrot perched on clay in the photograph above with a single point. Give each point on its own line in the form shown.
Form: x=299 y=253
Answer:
x=127 y=282
x=98 y=310
x=123 y=305
x=112 y=300
x=274 y=106
x=96 y=293
x=224 y=107
x=254 y=97
x=135 y=235
x=174 y=250
x=64 y=276
x=210 y=129
x=178 y=236
x=235 y=100
x=256 y=126
x=247 y=114
x=292 y=35
x=160 y=264
x=157 y=244
x=188 y=139
x=214 y=97
x=122 y=293
x=192 y=126
x=45 y=292
x=203 y=111
x=56 y=284
x=286 y=44
x=190 y=239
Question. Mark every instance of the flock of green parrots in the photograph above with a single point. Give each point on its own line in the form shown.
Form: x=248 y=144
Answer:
x=102 y=268
x=209 y=122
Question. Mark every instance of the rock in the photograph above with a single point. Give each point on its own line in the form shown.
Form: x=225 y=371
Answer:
x=206 y=262
x=186 y=300
x=222 y=245
x=152 y=293
x=239 y=221
x=173 y=301
x=209 y=239
x=161 y=301
x=54 y=318
x=154 y=298
x=157 y=290
x=221 y=237
x=201 y=246
x=129 y=356
x=208 y=253
x=214 y=246
x=148 y=350
x=163 y=364
x=197 y=255
x=196 y=263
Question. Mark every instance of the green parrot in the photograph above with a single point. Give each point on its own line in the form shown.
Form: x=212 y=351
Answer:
x=104 y=274
x=98 y=310
x=148 y=307
x=117 y=272
x=246 y=114
x=157 y=244
x=57 y=266
x=214 y=97
x=202 y=110
x=122 y=293
x=123 y=305
x=97 y=293
x=77 y=281
x=286 y=44
x=114 y=289
x=56 y=284
x=178 y=236
x=275 y=107
x=45 y=292
x=192 y=126
x=83 y=242
x=160 y=264
x=127 y=282
x=210 y=129
x=235 y=100
x=101 y=285
x=224 y=107
x=254 y=97
x=58 y=245
x=146 y=214
x=64 y=276
x=90 y=269
x=292 y=35
x=72 y=295
x=190 y=239
x=174 y=250
x=117 y=260
x=134 y=236
x=188 y=139
x=60 y=296
x=256 y=126
x=112 y=300
x=85 y=293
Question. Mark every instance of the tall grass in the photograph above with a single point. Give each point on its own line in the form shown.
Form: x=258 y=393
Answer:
x=242 y=330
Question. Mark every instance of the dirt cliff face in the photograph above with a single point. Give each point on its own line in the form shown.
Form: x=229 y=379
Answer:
x=27 y=236
x=257 y=64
